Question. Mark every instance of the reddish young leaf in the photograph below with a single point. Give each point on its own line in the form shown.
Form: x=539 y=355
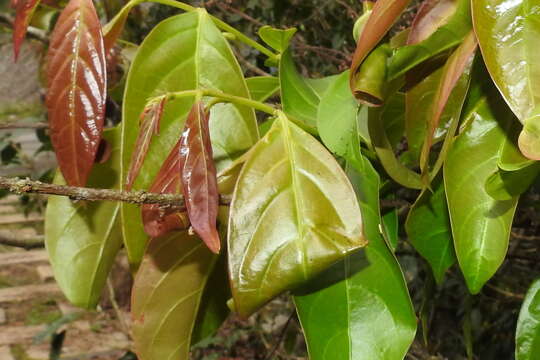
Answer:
x=158 y=221
x=199 y=180
x=25 y=10
x=149 y=126
x=431 y=15
x=383 y=16
x=113 y=30
x=76 y=75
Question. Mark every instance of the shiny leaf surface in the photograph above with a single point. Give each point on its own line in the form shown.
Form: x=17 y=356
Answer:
x=82 y=239
x=371 y=86
x=150 y=120
x=336 y=117
x=77 y=89
x=482 y=232
x=198 y=176
x=348 y=312
x=157 y=221
x=528 y=325
x=439 y=25
x=508 y=32
x=429 y=231
x=293 y=214
x=383 y=16
x=25 y=9
x=261 y=88
x=181 y=53
x=505 y=185
x=166 y=295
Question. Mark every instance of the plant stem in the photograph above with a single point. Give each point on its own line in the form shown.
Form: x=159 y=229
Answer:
x=22 y=186
x=220 y=96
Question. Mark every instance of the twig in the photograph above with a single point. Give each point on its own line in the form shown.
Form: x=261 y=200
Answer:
x=37 y=125
x=119 y=315
x=525 y=237
x=27 y=243
x=394 y=203
x=250 y=66
x=22 y=186
x=505 y=292
x=226 y=7
x=281 y=337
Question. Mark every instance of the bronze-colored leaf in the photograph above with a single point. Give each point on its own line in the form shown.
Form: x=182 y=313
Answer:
x=77 y=89
x=159 y=221
x=25 y=9
x=150 y=120
x=199 y=180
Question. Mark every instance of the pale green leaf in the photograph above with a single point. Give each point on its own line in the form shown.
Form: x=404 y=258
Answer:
x=528 y=325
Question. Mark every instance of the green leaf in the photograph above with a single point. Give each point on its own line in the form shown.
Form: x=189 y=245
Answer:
x=480 y=224
x=181 y=53
x=511 y=158
x=508 y=32
x=348 y=313
x=505 y=185
x=298 y=96
x=429 y=231
x=167 y=294
x=336 y=117
x=82 y=238
x=390 y=223
x=293 y=214
x=261 y=88
x=528 y=325
x=371 y=85
x=443 y=38
x=393 y=118
x=277 y=39
x=360 y=23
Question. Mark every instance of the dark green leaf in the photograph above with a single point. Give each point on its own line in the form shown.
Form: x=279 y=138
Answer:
x=528 y=325
x=370 y=85
x=429 y=231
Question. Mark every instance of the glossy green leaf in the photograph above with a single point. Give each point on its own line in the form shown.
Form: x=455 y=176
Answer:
x=480 y=224
x=429 y=231
x=261 y=88
x=277 y=39
x=167 y=294
x=446 y=36
x=82 y=238
x=511 y=158
x=505 y=185
x=181 y=53
x=336 y=117
x=299 y=99
x=293 y=214
x=371 y=84
x=528 y=325
x=348 y=313
x=361 y=22
x=390 y=223
x=508 y=32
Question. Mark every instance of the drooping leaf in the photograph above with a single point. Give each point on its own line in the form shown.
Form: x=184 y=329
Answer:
x=157 y=221
x=429 y=231
x=82 y=239
x=383 y=16
x=453 y=70
x=439 y=25
x=508 y=32
x=113 y=30
x=150 y=120
x=336 y=117
x=167 y=294
x=505 y=185
x=481 y=232
x=194 y=39
x=277 y=39
x=528 y=325
x=370 y=84
x=511 y=158
x=198 y=176
x=293 y=214
x=77 y=89
x=25 y=9
x=349 y=313
x=261 y=88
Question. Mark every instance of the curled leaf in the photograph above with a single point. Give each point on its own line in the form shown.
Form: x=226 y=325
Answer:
x=77 y=90
x=198 y=174
x=25 y=10
x=158 y=221
x=150 y=120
